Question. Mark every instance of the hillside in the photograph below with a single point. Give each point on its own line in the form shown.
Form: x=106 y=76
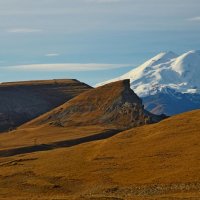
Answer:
x=113 y=104
x=23 y=101
x=158 y=161
x=97 y=113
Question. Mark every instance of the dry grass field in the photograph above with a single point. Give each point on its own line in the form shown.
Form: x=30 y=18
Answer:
x=158 y=161
x=83 y=150
x=94 y=114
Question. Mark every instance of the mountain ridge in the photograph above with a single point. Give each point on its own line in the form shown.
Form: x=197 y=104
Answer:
x=99 y=105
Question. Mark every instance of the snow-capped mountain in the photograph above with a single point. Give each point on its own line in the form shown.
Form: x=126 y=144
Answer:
x=166 y=70
x=166 y=73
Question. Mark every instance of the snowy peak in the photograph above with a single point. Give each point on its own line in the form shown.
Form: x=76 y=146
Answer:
x=163 y=57
x=188 y=62
x=158 y=59
x=165 y=70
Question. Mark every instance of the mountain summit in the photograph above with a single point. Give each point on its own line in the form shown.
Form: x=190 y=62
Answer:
x=168 y=73
x=166 y=69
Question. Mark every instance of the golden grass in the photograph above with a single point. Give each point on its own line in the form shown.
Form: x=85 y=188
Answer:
x=159 y=161
x=80 y=117
x=46 y=134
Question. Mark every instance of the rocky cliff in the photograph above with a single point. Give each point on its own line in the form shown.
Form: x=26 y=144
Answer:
x=113 y=104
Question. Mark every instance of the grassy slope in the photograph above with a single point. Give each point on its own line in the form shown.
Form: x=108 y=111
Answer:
x=102 y=105
x=150 y=162
x=92 y=112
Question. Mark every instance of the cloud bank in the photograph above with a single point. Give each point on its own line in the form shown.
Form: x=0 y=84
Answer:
x=195 y=19
x=52 y=54
x=66 y=67
x=24 y=30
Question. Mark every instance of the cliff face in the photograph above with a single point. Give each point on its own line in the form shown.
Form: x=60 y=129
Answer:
x=23 y=101
x=114 y=104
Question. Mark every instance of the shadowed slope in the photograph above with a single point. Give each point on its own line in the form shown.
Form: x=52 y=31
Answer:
x=23 y=101
x=56 y=145
x=171 y=102
x=158 y=161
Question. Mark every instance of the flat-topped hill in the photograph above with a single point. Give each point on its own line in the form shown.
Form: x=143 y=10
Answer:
x=23 y=101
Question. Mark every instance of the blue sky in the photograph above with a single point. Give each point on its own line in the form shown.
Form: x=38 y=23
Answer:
x=91 y=40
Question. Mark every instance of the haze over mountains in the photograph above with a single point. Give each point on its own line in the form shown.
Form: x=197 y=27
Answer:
x=165 y=80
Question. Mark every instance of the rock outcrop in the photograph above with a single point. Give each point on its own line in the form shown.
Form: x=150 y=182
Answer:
x=114 y=104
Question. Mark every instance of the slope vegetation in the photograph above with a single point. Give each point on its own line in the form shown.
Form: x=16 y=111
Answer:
x=95 y=114
x=114 y=104
x=158 y=161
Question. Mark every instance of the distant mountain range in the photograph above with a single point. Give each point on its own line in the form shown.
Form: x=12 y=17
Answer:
x=168 y=83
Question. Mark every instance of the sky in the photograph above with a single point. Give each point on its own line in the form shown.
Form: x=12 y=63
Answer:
x=91 y=40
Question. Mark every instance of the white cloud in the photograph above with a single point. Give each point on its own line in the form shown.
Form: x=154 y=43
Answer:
x=66 y=67
x=104 y=1
x=52 y=54
x=24 y=30
x=195 y=19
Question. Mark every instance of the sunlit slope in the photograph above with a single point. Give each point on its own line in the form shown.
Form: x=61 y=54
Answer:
x=110 y=108
x=114 y=104
x=159 y=161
